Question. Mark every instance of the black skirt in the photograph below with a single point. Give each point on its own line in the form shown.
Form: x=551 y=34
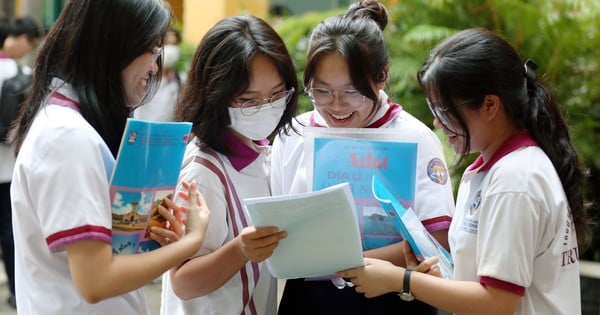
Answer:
x=323 y=298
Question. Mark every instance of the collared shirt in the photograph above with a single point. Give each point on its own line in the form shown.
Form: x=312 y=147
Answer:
x=224 y=181
x=513 y=230
x=434 y=202
x=60 y=195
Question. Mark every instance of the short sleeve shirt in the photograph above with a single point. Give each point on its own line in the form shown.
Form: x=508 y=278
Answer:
x=513 y=230
x=60 y=195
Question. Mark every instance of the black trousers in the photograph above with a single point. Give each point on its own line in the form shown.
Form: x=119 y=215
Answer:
x=6 y=236
x=323 y=298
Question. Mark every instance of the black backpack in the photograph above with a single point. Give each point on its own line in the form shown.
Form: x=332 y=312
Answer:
x=13 y=94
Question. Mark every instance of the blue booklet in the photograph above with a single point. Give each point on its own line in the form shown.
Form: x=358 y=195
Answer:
x=410 y=227
x=146 y=171
x=339 y=158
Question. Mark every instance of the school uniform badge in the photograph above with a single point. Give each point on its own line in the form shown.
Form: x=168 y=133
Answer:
x=476 y=203
x=437 y=172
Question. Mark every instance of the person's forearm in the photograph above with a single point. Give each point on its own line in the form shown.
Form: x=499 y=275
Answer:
x=462 y=297
x=392 y=253
x=99 y=275
x=205 y=274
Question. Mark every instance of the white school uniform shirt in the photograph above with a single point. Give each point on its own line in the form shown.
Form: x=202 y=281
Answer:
x=434 y=201
x=513 y=230
x=252 y=290
x=60 y=195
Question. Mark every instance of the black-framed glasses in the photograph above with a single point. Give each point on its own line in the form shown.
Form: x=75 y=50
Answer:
x=324 y=97
x=252 y=106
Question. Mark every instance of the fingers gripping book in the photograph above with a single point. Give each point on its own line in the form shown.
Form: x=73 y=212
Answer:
x=410 y=227
x=146 y=171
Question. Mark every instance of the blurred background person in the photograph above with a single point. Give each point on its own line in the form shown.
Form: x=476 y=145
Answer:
x=162 y=106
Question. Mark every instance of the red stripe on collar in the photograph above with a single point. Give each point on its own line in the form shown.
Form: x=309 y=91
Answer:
x=241 y=155
x=59 y=99
x=517 y=141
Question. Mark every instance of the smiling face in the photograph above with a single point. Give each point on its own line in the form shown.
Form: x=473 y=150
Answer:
x=477 y=124
x=136 y=75
x=332 y=73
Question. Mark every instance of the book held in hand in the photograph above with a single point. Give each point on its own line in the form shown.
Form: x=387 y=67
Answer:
x=146 y=171
x=322 y=228
x=422 y=243
x=355 y=155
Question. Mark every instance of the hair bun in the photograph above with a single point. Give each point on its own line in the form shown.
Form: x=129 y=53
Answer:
x=372 y=9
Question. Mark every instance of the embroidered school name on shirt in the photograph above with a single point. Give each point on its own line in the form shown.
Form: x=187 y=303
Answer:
x=470 y=224
x=569 y=256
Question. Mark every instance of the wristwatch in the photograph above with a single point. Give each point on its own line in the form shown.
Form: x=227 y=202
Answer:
x=405 y=295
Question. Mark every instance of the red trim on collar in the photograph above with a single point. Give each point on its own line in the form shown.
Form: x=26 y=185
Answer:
x=61 y=100
x=517 y=141
x=241 y=155
x=390 y=114
x=4 y=56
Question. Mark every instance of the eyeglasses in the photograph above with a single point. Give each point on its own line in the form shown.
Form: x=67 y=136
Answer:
x=252 y=106
x=441 y=114
x=157 y=53
x=324 y=97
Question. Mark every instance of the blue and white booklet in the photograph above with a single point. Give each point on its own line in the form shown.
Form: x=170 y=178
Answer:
x=355 y=155
x=410 y=227
x=146 y=171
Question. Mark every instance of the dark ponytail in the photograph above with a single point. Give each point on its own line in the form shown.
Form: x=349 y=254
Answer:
x=550 y=131
x=474 y=63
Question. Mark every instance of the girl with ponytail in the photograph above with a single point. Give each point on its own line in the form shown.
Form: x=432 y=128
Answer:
x=520 y=220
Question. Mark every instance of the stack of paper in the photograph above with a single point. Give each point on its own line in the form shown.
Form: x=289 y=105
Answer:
x=323 y=235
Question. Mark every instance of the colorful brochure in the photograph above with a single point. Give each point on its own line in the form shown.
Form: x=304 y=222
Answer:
x=322 y=228
x=355 y=156
x=423 y=244
x=146 y=171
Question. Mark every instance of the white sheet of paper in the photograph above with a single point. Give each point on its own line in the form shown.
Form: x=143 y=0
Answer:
x=323 y=233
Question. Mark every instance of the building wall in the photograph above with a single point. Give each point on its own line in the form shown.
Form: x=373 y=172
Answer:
x=177 y=6
x=201 y=15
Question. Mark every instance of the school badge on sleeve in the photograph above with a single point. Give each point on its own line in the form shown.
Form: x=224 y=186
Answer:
x=437 y=172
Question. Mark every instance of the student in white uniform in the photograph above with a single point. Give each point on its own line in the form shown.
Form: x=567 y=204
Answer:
x=520 y=220
x=98 y=62
x=242 y=88
x=345 y=76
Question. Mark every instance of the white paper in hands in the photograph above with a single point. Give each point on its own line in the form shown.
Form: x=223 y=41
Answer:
x=323 y=234
x=410 y=227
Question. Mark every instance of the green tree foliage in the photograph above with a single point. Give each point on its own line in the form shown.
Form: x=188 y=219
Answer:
x=562 y=36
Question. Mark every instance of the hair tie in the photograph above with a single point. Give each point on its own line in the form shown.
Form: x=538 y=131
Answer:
x=530 y=67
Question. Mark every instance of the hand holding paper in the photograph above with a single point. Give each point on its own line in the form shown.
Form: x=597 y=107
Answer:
x=258 y=243
x=323 y=235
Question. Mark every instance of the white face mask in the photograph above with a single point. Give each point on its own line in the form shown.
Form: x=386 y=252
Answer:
x=260 y=125
x=170 y=56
